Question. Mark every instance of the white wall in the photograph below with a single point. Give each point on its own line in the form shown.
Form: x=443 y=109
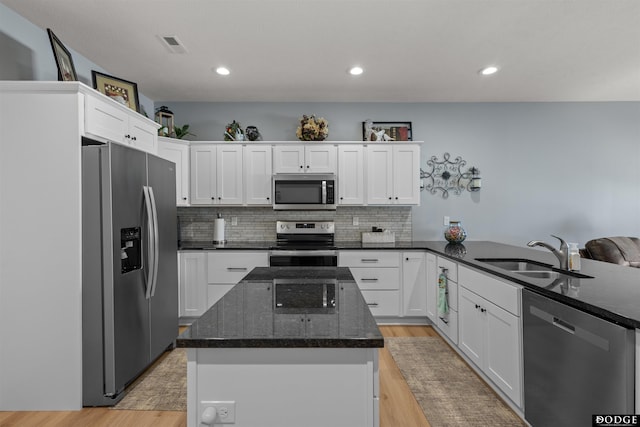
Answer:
x=570 y=169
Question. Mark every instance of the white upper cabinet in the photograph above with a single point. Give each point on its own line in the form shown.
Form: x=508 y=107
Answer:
x=177 y=151
x=393 y=174
x=351 y=175
x=107 y=120
x=216 y=174
x=316 y=158
x=257 y=174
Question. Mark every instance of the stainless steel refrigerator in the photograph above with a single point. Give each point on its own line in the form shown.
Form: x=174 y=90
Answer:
x=129 y=266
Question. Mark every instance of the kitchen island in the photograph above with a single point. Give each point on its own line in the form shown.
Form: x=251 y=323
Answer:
x=286 y=346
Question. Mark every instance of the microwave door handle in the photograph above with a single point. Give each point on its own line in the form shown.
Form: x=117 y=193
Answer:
x=324 y=192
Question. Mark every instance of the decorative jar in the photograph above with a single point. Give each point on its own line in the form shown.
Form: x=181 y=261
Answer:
x=454 y=232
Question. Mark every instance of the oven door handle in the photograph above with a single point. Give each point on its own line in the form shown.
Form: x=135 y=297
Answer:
x=303 y=253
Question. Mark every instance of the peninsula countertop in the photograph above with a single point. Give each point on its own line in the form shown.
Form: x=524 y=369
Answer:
x=287 y=307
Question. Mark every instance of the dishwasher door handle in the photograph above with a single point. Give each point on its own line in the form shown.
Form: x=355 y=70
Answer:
x=565 y=326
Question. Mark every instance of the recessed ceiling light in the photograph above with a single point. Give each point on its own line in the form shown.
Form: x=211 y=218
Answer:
x=487 y=71
x=223 y=71
x=356 y=71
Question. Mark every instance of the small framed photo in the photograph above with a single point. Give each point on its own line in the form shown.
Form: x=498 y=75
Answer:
x=123 y=91
x=386 y=131
x=66 y=70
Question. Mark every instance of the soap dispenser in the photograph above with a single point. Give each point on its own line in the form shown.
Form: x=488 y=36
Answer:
x=574 y=257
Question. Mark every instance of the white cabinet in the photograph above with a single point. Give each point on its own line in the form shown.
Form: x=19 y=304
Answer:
x=432 y=287
x=308 y=158
x=351 y=175
x=377 y=274
x=257 y=174
x=447 y=322
x=110 y=121
x=226 y=268
x=490 y=335
x=192 y=283
x=393 y=174
x=216 y=174
x=177 y=151
x=414 y=287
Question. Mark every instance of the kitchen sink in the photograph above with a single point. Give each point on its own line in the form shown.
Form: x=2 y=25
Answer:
x=530 y=268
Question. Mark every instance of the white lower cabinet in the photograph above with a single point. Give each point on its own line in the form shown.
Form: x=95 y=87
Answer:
x=414 y=289
x=206 y=276
x=192 y=283
x=377 y=274
x=226 y=268
x=447 y=322
x=489 y=335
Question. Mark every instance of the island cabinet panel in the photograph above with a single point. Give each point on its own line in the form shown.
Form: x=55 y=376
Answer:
x=286 y=387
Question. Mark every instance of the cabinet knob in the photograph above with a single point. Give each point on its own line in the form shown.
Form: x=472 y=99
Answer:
x=184 y=198
x=133 y=138
x=477 y=306
x=213 y=198
x=341 y=198
x=127 y=136
x=307 y=166
x=301 y=166
x=219 y=198
x=268 y=198
x=390 y=198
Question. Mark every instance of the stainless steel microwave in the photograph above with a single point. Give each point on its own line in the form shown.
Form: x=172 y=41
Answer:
x=304 y=192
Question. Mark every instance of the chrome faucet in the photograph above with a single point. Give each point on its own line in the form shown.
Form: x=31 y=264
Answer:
x=562 y=254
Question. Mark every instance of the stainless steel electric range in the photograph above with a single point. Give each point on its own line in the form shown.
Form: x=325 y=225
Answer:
x=304 y=244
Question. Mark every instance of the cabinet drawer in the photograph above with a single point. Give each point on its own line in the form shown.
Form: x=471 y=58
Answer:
x=502 y=294
x=450 y=327
x=231 y=267
x=451 y=268
x=383 y=303
x=376 y=277
x=369 y=259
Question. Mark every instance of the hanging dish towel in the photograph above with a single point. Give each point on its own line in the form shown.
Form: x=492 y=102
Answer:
x=443 y=295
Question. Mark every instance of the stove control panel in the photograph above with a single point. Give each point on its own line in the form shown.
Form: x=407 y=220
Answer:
x=307 y=227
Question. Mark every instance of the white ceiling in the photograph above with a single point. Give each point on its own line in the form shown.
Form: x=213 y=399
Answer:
x=411 y=50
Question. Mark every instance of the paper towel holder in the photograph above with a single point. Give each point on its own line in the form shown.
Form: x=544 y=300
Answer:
x=218 y=231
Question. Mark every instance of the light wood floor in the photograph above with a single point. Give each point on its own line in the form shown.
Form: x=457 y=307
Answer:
x=398 y=408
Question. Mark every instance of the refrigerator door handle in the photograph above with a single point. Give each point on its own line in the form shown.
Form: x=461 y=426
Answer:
x=150 y=242
x=156 y=246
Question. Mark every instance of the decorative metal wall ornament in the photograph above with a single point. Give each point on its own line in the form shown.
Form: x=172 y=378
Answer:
x=448 y=176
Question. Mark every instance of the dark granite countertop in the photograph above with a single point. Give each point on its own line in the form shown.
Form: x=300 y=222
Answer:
x=286 y=307
x=613 y=292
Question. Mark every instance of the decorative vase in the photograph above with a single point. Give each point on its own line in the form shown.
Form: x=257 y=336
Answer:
x=252 y=133
x=312 y=129
x=454 y=232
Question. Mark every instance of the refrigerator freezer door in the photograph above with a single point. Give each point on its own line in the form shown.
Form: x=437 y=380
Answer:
x=126 y=310
x=164 y=302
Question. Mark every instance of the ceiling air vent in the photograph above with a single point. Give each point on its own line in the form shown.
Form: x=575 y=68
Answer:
x=172 y=44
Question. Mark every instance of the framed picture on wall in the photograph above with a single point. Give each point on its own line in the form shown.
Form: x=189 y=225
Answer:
x=386 y=131
x=66 y=70
x=122 y=91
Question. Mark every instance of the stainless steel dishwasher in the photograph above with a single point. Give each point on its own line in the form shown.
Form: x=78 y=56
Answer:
x=575 y=364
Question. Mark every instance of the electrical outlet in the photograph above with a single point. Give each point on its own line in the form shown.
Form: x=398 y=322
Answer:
x=445 y=220
x=234 y=220
x=226 y=410
x=356 y=220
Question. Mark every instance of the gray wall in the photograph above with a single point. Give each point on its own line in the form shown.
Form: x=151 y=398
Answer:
x=26 y=54
x=570 y=169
